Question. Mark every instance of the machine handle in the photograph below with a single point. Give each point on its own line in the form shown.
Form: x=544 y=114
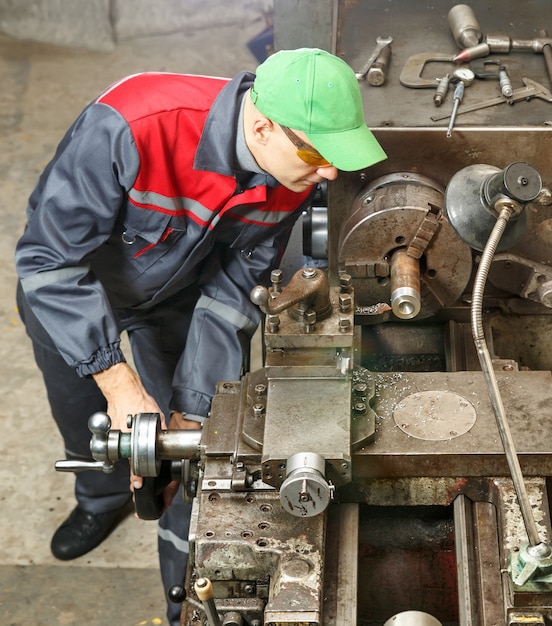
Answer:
x=69 y=465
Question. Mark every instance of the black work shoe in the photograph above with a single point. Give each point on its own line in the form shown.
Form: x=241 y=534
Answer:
x=83 y=531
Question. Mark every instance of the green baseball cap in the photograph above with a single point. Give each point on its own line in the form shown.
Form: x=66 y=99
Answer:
x=316 y=92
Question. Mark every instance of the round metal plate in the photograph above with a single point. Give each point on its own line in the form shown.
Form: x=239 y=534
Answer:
x=434 y=415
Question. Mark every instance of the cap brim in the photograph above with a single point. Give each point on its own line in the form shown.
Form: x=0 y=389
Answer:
x=349 y=150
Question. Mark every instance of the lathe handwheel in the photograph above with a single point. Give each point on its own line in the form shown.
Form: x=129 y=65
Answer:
x=148 y=501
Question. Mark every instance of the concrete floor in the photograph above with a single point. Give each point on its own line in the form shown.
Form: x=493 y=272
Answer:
x=43 y=89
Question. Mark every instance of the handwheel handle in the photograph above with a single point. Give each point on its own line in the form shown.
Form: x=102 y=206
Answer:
x=148 y=500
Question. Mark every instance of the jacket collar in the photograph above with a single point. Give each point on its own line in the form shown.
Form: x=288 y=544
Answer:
x=217 y=146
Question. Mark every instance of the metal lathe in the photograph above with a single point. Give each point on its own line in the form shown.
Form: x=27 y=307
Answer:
x=390 y=461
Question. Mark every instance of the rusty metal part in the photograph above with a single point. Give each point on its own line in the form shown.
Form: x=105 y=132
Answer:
x=525 y=277
x=425 y=233
x=260 y=557
x=307 y=291
x=389 y=214
x=406 y=299
x=265 y=563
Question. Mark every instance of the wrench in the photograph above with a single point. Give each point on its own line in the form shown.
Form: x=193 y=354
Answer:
x=381 y=43
x=532 y=89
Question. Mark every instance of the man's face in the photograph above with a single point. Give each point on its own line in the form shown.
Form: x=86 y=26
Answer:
x=280 y=158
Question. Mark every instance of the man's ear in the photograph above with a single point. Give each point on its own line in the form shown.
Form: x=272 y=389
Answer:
x=262 y=128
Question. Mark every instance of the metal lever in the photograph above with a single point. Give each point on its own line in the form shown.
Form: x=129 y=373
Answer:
x=204 y=591
x=308 y=290
x=99 y=425
x=68 y=465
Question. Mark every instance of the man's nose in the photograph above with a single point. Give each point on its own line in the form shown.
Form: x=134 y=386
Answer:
x=329 y=172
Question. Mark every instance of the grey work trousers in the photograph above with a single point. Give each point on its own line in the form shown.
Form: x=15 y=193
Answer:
x=157 y=338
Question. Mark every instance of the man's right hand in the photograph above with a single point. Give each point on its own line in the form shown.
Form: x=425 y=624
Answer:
x=125 y=395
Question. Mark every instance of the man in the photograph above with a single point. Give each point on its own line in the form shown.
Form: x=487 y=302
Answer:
x=168 y=199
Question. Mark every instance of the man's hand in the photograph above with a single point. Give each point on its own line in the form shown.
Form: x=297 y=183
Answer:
x=125 y=395
x=177 y=422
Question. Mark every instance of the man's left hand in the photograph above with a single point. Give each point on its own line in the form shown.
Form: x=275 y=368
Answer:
x=177 y=422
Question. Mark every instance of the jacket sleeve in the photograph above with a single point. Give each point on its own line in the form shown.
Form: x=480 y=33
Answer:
x=71 y=214
x=224 y=319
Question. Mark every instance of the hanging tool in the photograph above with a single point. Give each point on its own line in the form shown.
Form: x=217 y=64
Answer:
x=381 y=43
x=462 y=77
x=531 y=90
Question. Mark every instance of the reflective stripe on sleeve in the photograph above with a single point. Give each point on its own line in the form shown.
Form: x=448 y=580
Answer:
x=31 y=283
x=227 y=313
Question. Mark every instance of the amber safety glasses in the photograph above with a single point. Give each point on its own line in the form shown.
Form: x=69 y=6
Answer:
x=305 y=152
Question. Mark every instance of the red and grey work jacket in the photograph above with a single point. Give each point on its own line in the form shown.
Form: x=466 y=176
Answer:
x=141 y=202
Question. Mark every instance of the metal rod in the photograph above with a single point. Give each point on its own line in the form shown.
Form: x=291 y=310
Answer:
x=204 y=591
x=464 y=545
x=547 y=53
x=456 y=100
x=347 y=564
x=487 y=367
x=406 y=297
x=178 y=444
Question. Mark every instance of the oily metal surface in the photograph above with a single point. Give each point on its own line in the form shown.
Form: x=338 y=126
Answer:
x=248 y=545
x=434 y=415
x=478 y=452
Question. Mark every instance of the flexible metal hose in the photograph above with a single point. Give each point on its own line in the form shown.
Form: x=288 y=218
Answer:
x=488 y=371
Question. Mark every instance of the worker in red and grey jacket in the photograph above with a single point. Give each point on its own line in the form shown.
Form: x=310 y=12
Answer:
x=168 y=199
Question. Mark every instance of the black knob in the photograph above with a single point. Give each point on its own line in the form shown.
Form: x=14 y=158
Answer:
x=177 y=594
